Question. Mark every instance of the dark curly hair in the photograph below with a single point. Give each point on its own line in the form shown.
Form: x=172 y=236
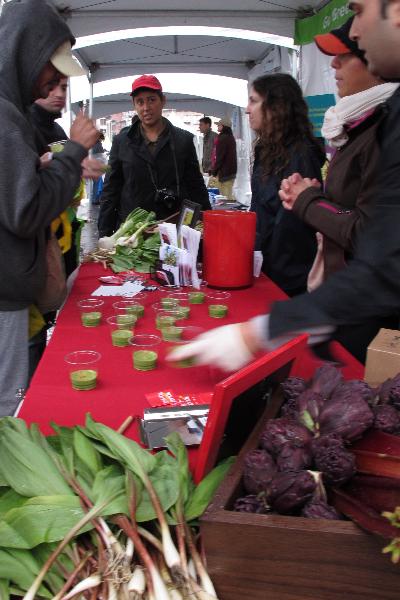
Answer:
x=285 y=124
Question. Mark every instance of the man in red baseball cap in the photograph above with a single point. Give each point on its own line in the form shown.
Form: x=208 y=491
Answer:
x=153 y=163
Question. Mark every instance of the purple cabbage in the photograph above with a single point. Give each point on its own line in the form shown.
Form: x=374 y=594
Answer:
x=309 y=406
x=346 y=414
x=290 y=491
x=318 y=509
x=294 y=458
x=326 y=379
x=293 y=387
x=331 y=458
x=252 y=504
x=394 y=395
x=278 y=432
x=386 y=418
x=384 y=390
x=357 y=387
x=258 y=469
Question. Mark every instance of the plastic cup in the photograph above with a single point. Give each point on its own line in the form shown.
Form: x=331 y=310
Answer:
x=166 y=318
x=90 y=310
x=57 y=146
x=186 y=335
x=145 y=352
x=140 y=297
x=122 y=328
x=179 y=296
x=83 y=369
x=196 y=297
x=169 y=302
x=218 y=296
x=129 y=306
x=217 y=311
x=183 y=310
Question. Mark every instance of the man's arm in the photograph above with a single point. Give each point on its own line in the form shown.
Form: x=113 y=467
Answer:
x=31 y=196
x=111 y=194
x=370 y=285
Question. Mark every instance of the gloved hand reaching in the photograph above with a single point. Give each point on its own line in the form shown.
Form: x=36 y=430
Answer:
x=223 y=347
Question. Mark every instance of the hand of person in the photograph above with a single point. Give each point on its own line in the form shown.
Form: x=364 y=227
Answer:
x=84 y=132
x=45 y=159
x=229 y=348
x=293 y=186
x=92 y=168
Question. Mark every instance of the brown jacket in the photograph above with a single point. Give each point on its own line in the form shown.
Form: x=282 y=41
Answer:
x=342 y=211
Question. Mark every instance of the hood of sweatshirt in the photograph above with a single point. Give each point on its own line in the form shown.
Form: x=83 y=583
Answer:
x=30 y=32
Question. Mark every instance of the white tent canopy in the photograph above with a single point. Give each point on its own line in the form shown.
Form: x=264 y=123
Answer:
x=241 y=36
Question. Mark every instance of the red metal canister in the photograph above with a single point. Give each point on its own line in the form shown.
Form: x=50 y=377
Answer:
x=228 y=247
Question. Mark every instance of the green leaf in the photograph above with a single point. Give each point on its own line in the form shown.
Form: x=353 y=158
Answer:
x=26 y=467
x=126 y=450
x=206 y=489
x=20 y=567
x=165 y=483
x=86 y=452
x=42 y=519
x=176 y=446
x=110 y=481
x=4 y=589
x=10 y=499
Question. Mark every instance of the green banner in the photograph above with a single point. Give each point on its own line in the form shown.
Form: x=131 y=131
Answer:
x=331 y=16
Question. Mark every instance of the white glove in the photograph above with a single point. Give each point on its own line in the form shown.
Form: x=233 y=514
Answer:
x=257 y=262
x=222 y=347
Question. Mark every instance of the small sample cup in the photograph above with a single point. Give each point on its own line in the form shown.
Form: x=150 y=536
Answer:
x=197 y=297
x=90 y=310
x=83 y=369
x=145 y=351
x=217 y=311
x=130 y=307
x=218 y=296
x=122 y=327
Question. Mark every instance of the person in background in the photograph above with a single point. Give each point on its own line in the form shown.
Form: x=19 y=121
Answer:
x=44 y=113
x=209 y=137
x=35 y=53
x=153 y=164
x=285 y=143
x=369 y=286
x=225 y=166
x=97 y=185
x=342 y=210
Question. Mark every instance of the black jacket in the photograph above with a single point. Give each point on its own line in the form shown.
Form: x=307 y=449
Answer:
x=135 y=174
x=30 y=197
x=47 y=130
x=370 y=286
x=225 y=156
x=288 y=245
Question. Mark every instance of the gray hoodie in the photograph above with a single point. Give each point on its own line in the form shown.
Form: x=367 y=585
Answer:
x=30 y=197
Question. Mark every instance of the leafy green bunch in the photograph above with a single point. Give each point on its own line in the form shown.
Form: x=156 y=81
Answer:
x=88 y=513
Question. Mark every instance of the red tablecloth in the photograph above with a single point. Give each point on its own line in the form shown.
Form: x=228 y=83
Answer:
x=121 y=390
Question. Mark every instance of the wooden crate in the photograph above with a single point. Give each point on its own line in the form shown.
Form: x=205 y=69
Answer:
x=273 y=557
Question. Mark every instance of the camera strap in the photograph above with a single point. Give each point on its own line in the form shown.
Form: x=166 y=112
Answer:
x=151 y=171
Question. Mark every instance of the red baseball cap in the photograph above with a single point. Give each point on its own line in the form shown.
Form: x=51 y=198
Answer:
x=146 y=81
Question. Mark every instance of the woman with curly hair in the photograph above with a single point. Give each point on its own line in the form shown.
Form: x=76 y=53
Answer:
x=285 y=144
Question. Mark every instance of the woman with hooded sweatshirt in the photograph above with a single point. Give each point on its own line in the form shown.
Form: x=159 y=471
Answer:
x=285 y=144
x=340 y=211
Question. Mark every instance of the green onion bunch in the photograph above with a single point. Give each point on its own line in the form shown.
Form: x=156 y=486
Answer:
x=89 y=514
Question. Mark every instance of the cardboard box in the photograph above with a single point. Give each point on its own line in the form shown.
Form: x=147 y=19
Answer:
x=274 y=557
x=383 y=357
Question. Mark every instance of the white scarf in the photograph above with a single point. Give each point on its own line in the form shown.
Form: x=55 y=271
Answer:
x=350 y=109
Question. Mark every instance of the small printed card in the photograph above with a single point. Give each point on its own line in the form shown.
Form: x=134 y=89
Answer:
x=169 y=398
